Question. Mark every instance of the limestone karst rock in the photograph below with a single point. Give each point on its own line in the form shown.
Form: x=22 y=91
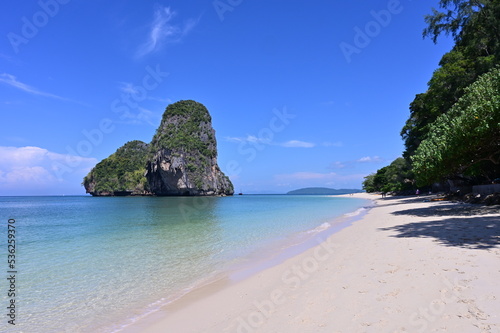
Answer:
x=184 y=149
x=180 y=160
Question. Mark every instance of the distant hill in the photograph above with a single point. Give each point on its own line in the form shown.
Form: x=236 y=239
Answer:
x=322 y=191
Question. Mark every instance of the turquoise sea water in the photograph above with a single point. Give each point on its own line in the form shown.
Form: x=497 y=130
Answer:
x=89 y=264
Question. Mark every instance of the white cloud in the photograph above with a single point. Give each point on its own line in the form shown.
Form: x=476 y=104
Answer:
x=12 y=81
x=339 y=165
x=128 y=88
x=257 y=140
x=17 y=175
x=140 y=117
x=297 y=144
x=163 y=31
x=354 y=163
x=248 y=139
x=159 y=99
x=29 y=168
x=369 y=159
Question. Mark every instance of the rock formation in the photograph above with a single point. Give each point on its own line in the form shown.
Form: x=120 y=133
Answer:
x=180 y=160
x=122 y=173
x=184 y=148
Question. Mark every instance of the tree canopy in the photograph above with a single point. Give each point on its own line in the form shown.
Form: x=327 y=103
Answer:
x=122 y=171
x=396 y=177
x=475 y=26
x=466 y=139
x=453 y=128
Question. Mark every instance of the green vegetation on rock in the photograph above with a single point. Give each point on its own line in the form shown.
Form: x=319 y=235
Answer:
x=184 y=154
x=183 y=128
x=122 y=171
x=180 y=160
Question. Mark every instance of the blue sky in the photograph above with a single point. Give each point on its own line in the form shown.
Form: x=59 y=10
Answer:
x=301 y=93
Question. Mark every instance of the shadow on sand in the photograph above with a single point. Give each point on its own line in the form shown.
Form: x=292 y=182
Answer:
x=450 y=209
x=468 y=226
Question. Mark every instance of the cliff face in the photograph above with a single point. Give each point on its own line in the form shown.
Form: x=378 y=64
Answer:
x=180 y=160
x=122 y=173
x=184 y=154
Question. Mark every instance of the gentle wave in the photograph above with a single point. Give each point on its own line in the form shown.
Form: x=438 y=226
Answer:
x=356 y=212
x=320 y=228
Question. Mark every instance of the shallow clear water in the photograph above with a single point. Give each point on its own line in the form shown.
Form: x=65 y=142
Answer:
x=98 y=264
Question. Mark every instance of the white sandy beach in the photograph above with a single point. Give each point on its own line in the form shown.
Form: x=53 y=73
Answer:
x=406 y=266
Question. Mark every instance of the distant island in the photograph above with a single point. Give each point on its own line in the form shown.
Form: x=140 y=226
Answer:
x=322 y=191
x=181 y=160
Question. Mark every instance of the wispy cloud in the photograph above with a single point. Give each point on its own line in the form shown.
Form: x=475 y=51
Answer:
x=297 y=144
x=12 y=81
x=141 y=116
x=248 y=138
x=159 y=99
x=131 y=89
x=128 y=88
x=252 y=139
x=370 y=159
x=6 y=57
x=162 y=31
x=352 y=164
x=339 y=165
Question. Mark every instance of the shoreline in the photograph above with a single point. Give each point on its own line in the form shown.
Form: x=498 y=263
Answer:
x=407 y=265
x=278 y=252
x=272 y=254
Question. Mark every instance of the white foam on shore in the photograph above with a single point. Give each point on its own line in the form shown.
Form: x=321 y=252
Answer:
x=320 y=228
x=356 y=212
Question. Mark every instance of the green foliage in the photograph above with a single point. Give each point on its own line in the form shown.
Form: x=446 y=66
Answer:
x=122 y=171
x=452 y=20
x=185 y=133
x=183 y=129
x=464 y=137
x=395 y=177
x=452 y=129
x=369 y=183
x=476 y=28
